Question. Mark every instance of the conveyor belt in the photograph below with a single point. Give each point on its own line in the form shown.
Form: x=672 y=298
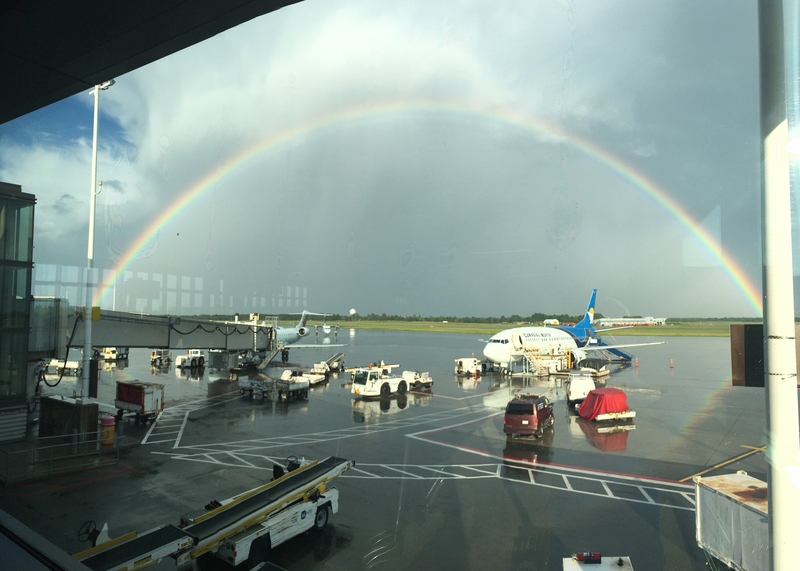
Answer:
x=292 y=482
x=334 y=358
x=137 y=547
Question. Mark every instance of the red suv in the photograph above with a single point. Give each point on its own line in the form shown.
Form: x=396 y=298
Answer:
x=528 y=415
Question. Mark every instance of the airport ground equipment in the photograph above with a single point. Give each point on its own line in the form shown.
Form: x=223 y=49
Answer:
x=607 y=403
x=593 y=561
x=732 y=521
x=377 y=381
x=336 y=362
x=242 y=528
x=578 y=386
x=293 y=388
x=160 y=358
x=417 y=380
x=321 y=369
x=68 y=368
x=145 y=400
x=299 y=376
x=192 y=358
x=114 y=353
x=469 y=366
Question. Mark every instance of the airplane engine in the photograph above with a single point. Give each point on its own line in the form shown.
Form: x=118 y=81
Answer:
x=302 y=331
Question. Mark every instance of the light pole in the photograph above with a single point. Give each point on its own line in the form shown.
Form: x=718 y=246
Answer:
x=87 y=316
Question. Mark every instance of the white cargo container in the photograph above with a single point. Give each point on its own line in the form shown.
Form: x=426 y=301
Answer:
x=731 y=520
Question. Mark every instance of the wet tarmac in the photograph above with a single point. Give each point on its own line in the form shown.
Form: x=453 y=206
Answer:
x=437 y=485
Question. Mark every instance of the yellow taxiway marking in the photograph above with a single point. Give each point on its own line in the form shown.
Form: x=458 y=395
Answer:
x=753 y=450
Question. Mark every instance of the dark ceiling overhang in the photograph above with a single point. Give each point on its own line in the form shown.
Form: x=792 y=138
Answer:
x=52 y=49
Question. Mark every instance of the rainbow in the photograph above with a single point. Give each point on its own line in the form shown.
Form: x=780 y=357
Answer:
x=550 y=131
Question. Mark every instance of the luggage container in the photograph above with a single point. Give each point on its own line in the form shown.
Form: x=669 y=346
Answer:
x=145 y=400
x=732 y=520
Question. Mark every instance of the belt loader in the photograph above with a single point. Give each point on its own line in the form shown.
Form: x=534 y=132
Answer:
x=240 y=529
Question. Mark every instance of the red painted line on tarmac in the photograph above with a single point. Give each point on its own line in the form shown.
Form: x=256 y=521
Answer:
x=67 y=481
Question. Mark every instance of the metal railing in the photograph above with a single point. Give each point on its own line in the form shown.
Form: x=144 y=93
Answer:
x=50 y=455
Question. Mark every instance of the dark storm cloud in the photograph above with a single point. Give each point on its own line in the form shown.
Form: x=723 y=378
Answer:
x=394 y=207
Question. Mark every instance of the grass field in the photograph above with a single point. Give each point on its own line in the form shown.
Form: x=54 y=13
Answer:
x=678 y=329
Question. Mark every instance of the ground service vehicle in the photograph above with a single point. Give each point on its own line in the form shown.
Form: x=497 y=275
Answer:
x=240 y=529
x=608 y=403
x=193 y=358
x=417 y=380
x=160 y=358
x=469 y=366
x=379 y=382
x=528 y=415
x=578 y=386
x=145 y=400
x=114 y=353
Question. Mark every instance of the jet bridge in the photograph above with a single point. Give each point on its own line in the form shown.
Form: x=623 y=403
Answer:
x=121 y=329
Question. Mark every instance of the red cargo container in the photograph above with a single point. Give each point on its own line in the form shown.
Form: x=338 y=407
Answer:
x=145 y=400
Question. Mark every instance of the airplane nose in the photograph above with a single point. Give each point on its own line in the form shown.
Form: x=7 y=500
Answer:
x=489 y=353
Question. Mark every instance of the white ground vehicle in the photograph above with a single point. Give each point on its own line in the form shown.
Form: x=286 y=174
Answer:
x=193 y=358
x=311 y=378
x=577 y=387
x=374 y=382
x=468 y=366
x=114 y=353
x=240 y=529
x=417 y=380
x=160 y=358
x=379 y=382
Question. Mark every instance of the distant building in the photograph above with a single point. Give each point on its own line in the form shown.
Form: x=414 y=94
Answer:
x=629 y=321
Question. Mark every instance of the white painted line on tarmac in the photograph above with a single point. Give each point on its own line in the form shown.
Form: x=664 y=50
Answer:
x=183 y=427
x=388 y=467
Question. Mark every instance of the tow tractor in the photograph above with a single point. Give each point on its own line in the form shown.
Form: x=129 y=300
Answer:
x=240 y=529
x=378 y=381
x=193 y=358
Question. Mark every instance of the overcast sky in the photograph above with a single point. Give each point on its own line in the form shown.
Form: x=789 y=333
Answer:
x=432 y=158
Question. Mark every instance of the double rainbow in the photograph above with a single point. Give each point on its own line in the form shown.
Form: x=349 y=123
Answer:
x=421 y=106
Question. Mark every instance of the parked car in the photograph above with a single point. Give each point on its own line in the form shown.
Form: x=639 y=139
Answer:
x=577 y=387
x=528 y=415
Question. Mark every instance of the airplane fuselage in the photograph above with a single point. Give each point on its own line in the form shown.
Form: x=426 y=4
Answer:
x=509 y=346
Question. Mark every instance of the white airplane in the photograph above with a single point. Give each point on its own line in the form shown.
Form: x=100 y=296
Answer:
x=510 y=345
x=291 y=334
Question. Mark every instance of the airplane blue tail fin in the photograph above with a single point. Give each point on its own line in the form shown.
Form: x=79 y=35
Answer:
x=583 y=329
x=586 y=322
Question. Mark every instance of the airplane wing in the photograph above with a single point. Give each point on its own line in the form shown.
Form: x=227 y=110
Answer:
x=603 y=347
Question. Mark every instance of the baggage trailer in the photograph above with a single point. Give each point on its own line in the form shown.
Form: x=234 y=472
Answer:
x=294 y=388
x=144 y=399
x=160 y=358
x=595 y=562
x=68 y=368
x=242 y=528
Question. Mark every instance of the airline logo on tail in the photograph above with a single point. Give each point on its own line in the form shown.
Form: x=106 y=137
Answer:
x=583 y=329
